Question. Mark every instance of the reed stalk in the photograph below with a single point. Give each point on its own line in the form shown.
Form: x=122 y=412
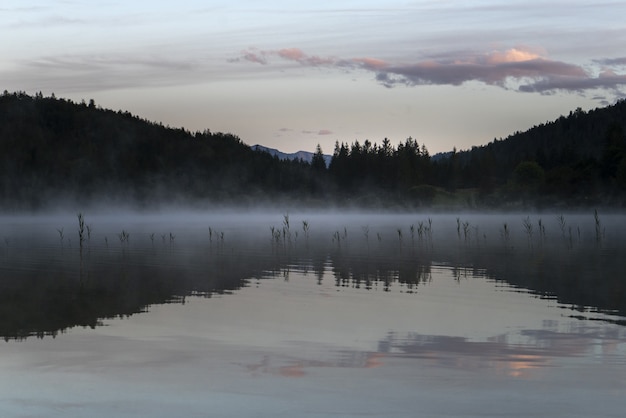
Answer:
x=81 y=229
x=561 y=222
x=528 y=228
x=598 y=225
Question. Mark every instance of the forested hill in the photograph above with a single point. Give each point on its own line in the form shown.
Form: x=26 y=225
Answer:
x=55 y=151
x=578 y=159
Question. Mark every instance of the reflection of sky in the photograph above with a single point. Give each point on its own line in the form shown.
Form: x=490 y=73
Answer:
x=292 y=74
x=455 y=346
x=294 y=347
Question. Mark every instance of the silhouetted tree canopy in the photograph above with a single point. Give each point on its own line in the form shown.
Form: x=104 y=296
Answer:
x=54 y=149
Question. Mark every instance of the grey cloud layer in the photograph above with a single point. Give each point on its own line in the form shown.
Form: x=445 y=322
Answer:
x=516 y=68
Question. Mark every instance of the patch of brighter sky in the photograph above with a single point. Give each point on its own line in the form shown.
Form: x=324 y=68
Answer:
x=290 y=75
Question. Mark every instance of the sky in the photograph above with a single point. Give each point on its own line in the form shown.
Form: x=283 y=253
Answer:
x=294 y=74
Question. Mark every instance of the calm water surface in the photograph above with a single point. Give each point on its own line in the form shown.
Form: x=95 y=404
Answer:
x=357 y=315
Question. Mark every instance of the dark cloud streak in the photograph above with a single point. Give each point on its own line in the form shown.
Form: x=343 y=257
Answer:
x=518 y=69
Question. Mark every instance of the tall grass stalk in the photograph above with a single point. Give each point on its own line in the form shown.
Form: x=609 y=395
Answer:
x=542 y=231
x=123 y=236
x=561 y=222
x=61 y=235
x=598 y=225
x=81 y=229
x=466 y=231
x=366 y=232
x=505 y=233
x=305 y=229
x=528 y=228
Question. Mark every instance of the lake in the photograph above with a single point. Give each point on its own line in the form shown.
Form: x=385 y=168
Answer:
x=238 y=314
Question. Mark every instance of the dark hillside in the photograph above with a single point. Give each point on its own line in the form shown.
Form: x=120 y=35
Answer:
x=53 y=149
x=578 y=159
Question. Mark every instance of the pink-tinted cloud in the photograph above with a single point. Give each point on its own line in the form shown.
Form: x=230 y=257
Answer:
x=295 y=54
x=325 y=132
x=520 y=68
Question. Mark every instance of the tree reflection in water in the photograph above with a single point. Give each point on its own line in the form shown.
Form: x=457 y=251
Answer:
x=48 y=286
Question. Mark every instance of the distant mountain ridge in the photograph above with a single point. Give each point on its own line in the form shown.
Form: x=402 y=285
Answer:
x=300 y=155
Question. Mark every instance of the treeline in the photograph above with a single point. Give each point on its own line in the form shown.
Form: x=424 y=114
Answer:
x=575 y=160
x=53 y=150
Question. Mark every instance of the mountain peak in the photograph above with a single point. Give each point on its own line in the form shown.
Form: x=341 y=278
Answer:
x=299 y=155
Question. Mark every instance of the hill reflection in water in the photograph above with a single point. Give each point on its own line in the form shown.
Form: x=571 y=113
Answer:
x=50 y=282
x=356 y=315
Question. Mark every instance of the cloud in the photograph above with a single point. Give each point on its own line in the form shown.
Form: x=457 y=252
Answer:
x=319 y=132
x=521 y=68
x=295 y=54
x=252 y=57
x=73 y=73
x=612 y=61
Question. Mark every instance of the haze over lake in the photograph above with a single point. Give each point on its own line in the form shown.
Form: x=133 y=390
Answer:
x=313 y=314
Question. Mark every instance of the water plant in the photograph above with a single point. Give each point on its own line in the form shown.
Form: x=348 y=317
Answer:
x=337 y=237
x=276 y=235
x=561 y=222
x=123 y=236
x=542 y=231
x=420 y=230
x=61 y=235
x=429 y=231
x=152 y=238
x=286 y=229
x=366 y=232
x=505 y=233
x=598 y=226
x=305 y=229
x=466 y=230
x=81 y=229
x=528 y=228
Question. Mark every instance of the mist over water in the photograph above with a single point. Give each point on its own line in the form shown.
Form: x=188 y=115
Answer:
x=195 y=311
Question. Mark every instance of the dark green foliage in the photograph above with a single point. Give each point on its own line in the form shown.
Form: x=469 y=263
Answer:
x=528 y=176
x=582 y=157
x=53 y=150
x=387 y=171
